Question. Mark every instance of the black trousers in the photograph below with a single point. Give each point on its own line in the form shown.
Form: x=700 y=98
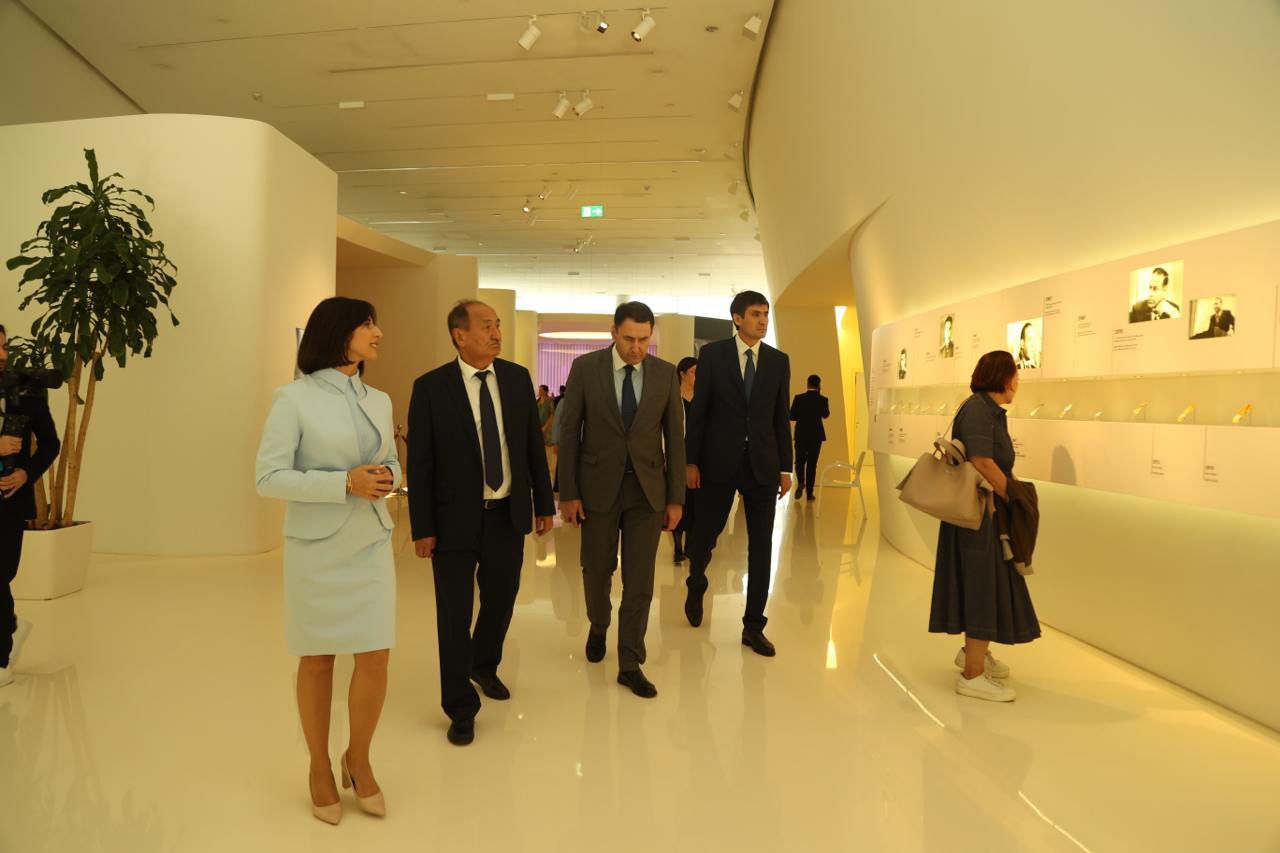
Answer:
x=11 y=530
x=807 y=466
x=714 y=500
x=498 y=555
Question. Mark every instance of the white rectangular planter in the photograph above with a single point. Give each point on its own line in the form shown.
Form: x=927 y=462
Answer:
x=54 y=562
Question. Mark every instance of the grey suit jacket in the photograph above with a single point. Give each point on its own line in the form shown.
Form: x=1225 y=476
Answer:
x=594 y=443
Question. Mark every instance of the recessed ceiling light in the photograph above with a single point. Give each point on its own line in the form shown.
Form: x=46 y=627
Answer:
x=712 y=28
x=500 y=96
x=350 y=105
x=402 y=192
x=705 y=274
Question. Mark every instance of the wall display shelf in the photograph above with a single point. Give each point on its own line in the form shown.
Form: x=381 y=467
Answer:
x=1156 y=376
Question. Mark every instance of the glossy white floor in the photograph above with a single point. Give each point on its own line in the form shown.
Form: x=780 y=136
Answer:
x=154 y=712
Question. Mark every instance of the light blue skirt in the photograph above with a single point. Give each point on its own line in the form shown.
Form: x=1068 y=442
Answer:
x=340 y=592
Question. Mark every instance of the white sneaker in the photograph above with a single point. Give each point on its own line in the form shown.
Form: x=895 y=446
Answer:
x=992 y=667
x=984 y=687
x=6 y=677
x=19 y=638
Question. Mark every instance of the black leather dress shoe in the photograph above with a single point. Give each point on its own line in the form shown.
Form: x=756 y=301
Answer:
x=758 y=643
x=679 y=558
x=462 y=732
x=639 y=685
x=491 y=686
x=595 y=647
x=693 y=608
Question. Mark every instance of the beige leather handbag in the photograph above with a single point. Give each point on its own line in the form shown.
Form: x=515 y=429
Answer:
x=945 y=485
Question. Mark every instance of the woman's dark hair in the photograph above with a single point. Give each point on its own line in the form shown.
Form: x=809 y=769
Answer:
x=329 y=329
x=685 y=364
x=994 y=372
x=637 y=312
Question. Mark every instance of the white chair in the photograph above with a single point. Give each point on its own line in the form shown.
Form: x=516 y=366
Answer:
x=854 y=483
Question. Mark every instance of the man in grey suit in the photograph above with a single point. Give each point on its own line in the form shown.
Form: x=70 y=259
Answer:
x=622 y=474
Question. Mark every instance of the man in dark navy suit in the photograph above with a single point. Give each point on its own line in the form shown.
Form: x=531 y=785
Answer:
x=808 y=411
x=20 y=470
x=738 y=439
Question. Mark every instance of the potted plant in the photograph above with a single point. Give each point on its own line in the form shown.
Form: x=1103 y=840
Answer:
x=100 y=278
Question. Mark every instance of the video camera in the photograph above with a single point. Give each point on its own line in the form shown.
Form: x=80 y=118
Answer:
x=14 y=385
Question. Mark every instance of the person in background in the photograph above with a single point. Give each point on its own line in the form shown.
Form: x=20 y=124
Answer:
x=976 y=591
x=23 y=467
x=546 y=417
x=328 y=448
x=808 y=410
x=687 y=374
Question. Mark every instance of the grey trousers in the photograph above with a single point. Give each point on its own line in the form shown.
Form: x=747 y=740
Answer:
x=640 y=527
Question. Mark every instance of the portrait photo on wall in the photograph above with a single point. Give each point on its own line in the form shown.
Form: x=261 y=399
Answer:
x=1025 y=339
x=1155 y=293
x=902 y=365
x=1214 y=317
x=947 y=337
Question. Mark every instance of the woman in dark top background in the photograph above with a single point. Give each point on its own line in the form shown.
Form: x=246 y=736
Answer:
x=686 y=373
x=976 y=591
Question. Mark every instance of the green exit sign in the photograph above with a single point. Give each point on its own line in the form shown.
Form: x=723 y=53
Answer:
x=592 y=211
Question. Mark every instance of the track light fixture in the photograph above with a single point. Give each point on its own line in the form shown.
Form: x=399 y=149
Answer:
x=745 y=214
x=531 y=34
x=546 y=192
x=584 y=106
x=646 y=25
x=602 y=25
x=735 y=100
x=572 y=193
x=527 y=208
x=562 y=106
x=751 y=28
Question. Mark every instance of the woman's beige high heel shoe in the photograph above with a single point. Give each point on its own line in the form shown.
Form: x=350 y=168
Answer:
x=330 y=814
x=375 y=805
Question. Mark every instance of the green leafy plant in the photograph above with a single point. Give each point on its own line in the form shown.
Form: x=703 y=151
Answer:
x=100 y=279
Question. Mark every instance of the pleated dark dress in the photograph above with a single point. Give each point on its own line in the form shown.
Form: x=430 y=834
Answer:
x=975 y=590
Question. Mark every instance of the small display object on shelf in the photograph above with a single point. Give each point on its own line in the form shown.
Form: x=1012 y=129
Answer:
x=1155 y=293
x=1066 y=411
x=1188 y=414
x=1212 y=318
x=1035 y=411
x=1097 y=416
x=1244 y=415
x=1140 y=413
x=1026 y=340
x=902 y=364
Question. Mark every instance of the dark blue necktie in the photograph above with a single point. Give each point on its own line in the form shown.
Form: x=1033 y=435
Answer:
x=749 y=377
x=489 y=432
x=629 y=405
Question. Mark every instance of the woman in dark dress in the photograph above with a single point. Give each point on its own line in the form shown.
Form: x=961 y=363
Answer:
x=976 y=592
x=686 y=372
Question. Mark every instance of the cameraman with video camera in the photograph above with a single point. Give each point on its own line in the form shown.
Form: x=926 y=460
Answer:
x=24 y=415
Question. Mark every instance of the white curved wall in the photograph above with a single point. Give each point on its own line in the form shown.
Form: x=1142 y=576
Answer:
x=1006 y=142
x=248 y=217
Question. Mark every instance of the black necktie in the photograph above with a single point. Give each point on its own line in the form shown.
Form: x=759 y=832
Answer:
x=749 y=377
x=489 y=432
x=628 y=398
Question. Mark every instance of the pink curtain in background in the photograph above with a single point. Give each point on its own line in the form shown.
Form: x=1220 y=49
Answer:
x=555 y=358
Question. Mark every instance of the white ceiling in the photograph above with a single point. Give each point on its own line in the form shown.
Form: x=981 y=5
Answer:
x=431 y=161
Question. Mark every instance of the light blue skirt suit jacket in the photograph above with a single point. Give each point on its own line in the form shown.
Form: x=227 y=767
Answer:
x=339 y=568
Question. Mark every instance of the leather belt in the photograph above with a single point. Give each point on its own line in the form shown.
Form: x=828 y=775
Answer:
x=497 y=504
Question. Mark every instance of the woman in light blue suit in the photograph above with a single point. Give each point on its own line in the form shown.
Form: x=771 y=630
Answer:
x=328 y=448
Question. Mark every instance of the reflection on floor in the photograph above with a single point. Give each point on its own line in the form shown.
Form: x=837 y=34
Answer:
x=154 y=712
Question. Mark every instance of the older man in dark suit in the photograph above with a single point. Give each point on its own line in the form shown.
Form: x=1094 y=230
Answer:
x=622 y=474
x=477 y=476
x=739 y=440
